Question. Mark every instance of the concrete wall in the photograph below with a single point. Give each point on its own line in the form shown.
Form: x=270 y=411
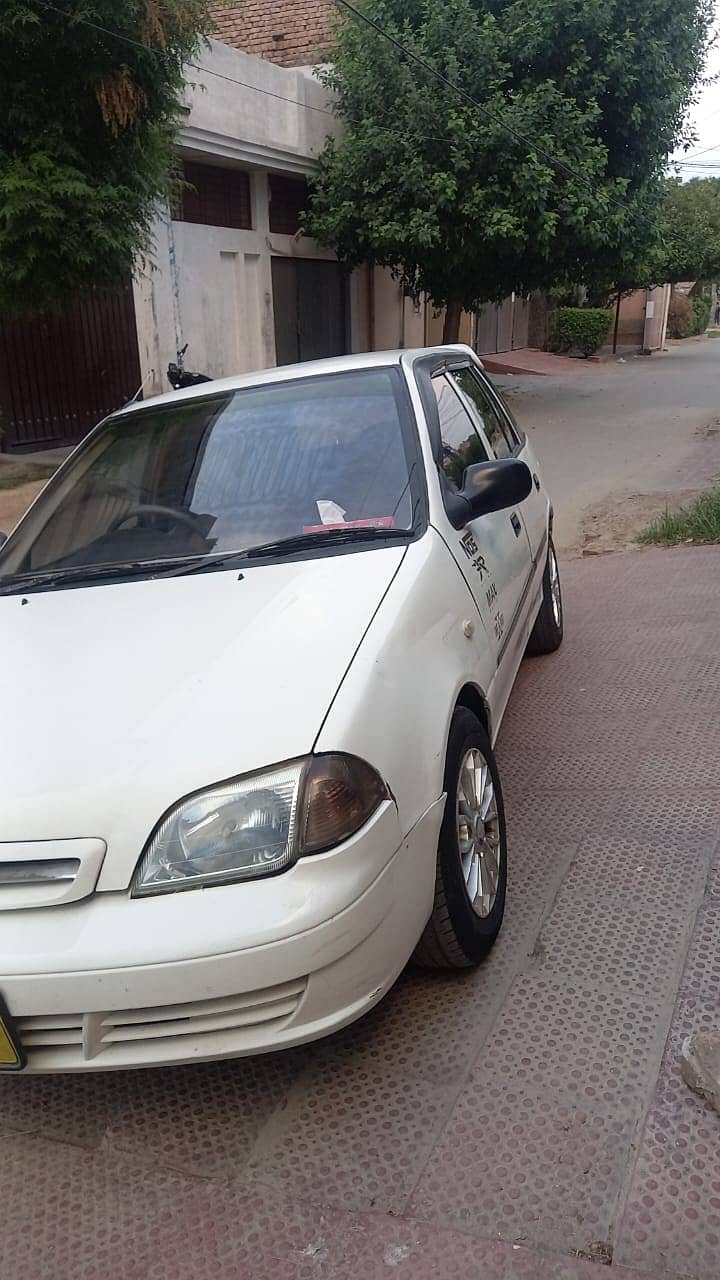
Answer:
x=211 y=287
x=256 y=121
x=643 y=318
x=656 y=317
x=397 y=320
x=632 y=320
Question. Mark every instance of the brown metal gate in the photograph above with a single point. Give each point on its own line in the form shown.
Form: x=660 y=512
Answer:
x=61 y=373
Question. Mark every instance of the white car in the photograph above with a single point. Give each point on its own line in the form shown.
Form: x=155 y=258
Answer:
x=257 y=641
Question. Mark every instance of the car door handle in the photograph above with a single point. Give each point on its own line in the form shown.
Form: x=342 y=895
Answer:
x=515 y=522
x=536 y=480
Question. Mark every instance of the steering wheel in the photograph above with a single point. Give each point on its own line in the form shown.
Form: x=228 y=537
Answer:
x=155 y=509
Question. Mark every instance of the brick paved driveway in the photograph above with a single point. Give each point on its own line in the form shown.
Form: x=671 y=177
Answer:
x=495 y=1125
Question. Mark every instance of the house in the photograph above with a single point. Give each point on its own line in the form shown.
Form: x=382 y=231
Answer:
x=230 y=274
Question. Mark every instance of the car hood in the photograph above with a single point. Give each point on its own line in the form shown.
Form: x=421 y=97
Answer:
x=118 y=700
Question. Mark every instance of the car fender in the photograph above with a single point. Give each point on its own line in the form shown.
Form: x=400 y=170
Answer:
x=425 y=645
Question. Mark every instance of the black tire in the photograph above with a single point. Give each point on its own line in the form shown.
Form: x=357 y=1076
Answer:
x=456 y=936
x=547 y=634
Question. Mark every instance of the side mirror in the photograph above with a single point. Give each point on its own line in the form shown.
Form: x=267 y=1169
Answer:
x=489 y=486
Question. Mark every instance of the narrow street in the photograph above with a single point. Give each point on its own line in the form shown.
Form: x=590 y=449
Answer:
x=619 y=442
x=526 y=1121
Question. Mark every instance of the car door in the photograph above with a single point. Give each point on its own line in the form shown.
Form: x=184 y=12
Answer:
x=506 y=441
x=493 y=551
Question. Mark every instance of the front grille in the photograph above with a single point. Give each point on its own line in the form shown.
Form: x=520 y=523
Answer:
x=26 y=875
x=48 y=873
x=89 y=1036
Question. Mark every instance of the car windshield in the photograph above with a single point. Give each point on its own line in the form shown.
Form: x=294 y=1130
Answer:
x=321 y=457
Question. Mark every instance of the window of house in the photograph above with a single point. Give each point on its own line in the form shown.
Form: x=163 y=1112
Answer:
x=288 y=200
x=499 y=432
x=462 y=446
x=216 y=197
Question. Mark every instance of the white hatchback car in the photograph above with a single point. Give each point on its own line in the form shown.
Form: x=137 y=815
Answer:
x=258 y=638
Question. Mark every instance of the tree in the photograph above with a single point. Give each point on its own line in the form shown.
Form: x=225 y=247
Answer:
x=692 y=230
x=593 y=94
x=87 y=129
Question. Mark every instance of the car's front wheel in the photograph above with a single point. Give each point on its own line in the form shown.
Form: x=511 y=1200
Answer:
x=471 y=878
x=546 y=636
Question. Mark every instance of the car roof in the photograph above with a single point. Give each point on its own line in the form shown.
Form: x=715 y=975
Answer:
x=308 y=369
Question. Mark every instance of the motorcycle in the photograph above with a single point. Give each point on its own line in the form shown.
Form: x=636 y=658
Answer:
x=179 y=377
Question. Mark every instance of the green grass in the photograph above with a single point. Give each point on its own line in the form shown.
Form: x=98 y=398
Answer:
x=13 y=474
x=699 y=522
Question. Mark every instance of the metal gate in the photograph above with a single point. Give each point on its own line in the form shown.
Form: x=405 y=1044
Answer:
x=503 y=326
x=310 y=305
x=61 y=373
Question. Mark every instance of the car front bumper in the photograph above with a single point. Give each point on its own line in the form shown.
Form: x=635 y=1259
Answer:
x=288 y=984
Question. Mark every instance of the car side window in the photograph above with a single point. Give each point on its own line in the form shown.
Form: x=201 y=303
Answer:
x=462 y=446
x=499 y=433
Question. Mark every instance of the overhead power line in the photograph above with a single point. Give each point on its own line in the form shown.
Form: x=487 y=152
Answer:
x=694 y=154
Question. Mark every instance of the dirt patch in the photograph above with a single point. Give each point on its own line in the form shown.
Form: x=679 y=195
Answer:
x=15 y=502
x=598 y=1251
x=709 y=429
x=615 y=523
x=14 y=474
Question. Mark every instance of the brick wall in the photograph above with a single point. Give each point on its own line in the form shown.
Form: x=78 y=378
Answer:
x=289 y=32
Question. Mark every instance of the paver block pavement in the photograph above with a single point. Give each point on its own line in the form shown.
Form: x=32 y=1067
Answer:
x=489 y=1126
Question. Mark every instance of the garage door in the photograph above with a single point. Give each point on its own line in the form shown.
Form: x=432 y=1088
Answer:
x=310 y=305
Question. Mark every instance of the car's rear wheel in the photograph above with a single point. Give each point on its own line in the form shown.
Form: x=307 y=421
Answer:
x=471 y=877
x=546 y=636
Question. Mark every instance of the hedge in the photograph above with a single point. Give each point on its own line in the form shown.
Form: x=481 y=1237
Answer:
x=582 y=329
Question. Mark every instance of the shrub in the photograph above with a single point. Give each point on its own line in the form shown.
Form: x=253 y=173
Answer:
x=680 y=315
x=582 y=329
x=700 y=315
x=687 y=316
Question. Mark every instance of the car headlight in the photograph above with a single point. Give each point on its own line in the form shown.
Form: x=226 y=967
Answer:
x=258 y=825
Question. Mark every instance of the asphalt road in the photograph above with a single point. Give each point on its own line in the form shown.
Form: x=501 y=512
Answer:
x=619 y=442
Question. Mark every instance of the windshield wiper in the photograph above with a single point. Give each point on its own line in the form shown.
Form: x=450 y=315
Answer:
x=181 y=566
x=298 y=542
x=77 y=575
x=326 y=537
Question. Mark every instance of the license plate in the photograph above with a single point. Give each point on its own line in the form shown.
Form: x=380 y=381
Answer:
x=12 y=1057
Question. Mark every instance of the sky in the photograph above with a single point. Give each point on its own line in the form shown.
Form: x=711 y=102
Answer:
x=705 y=116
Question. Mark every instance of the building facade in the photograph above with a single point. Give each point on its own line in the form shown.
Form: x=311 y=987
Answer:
x=231 y=274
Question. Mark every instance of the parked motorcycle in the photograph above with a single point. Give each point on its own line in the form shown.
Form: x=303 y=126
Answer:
x=179 y=377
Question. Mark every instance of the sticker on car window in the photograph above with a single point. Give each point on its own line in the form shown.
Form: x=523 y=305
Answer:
x=330 y=512
x=376 y=522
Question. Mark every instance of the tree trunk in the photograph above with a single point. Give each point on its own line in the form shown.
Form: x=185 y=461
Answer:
x=617 y=320
x=451 y=328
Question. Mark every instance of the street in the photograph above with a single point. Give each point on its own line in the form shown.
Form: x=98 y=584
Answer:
x=619 y=442
x=526 y=1120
